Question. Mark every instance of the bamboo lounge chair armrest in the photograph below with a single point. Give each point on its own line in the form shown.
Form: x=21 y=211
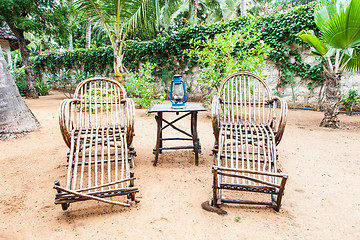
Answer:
x=215 y=116
x=130 y=119
x=65 y=123
x=280 y=128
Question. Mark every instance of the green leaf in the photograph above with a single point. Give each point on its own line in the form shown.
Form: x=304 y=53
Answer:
x=313 y=41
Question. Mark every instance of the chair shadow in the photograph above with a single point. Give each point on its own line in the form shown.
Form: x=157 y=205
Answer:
x=84 y=210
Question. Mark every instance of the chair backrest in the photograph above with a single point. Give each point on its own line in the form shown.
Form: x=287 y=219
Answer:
x=101 y=104
x=244 y=98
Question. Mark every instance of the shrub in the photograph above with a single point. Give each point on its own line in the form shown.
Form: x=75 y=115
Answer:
x=20 y=81
x=225 y=54
x=65 y=81
x=167 y=52
x=19 y=73
x=350 y=100
x=21 y=85
x=19 y=77
x=42 y=88
x=98 y=95
x=141 y=86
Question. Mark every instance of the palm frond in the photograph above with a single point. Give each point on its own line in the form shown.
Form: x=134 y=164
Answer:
x=216 y=12
x=183 y=7
x=352 y=64
x=96 y=12
x=143 y=15
x=168 y=10
x=342 y=29
x=324 y=11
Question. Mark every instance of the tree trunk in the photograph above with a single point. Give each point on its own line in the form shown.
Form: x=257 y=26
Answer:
x=88 y=34
x=15 y=116
x=332 y=99
x=29 y=71
x=118 y=61
x=194 y=13
x=71 y=43
x=243 y=8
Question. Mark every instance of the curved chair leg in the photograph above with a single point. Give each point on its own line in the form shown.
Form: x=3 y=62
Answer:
x=281 y=193
x=64 y=206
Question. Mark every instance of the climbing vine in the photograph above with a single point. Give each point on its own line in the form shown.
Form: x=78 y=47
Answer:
x=167 y=52
x=88 y=60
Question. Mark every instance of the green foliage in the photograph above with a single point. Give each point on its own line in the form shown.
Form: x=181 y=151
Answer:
x=41 y=87
x=339 y=44
x=20 y=81
x=228 y=53
x=38 y=16
x=18 y=73
x=19 y=77
x=99 y=96
x=167 y=52
x=89 y=60
x=99 y=37
x=66 y=81
x=350 y=100
x=120 y=17
x=141 y=86
x=21 y=85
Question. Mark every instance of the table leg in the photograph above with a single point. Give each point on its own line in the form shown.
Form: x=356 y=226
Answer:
x=158 y=136
x=161 y=133
x=194 y=136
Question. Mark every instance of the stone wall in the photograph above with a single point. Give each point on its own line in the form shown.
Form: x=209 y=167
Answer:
x=298 y=95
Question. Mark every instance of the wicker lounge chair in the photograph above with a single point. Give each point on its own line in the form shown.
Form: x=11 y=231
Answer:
x=98 y=127
x=244 y=116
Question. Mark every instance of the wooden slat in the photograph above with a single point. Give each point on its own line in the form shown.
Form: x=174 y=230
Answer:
x=92 y=197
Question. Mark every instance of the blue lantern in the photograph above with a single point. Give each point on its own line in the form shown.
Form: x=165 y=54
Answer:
x=178 y=96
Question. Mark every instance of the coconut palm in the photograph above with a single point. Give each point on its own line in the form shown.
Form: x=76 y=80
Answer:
x=233 y=8
x=208 y=11
x=242 y=7
x=339 y=25
x=191 y=10
x=88 y=34
x=119 y=18
x=15 y=116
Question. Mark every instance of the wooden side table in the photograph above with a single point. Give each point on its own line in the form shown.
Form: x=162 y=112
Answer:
x=190 y=109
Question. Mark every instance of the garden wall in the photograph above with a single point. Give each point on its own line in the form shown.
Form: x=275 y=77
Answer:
x=287 y=64
x=297 y=94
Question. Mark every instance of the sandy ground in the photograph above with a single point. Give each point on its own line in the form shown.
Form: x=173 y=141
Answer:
x=321 y=201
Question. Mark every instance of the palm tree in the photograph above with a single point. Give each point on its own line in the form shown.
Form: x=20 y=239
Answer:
x=339 y=25
x=119 y=18
x=88 y=34
x=232 y=8
x=258 y=7
x=243 y=7
x=208 y=11
x=15 y=116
